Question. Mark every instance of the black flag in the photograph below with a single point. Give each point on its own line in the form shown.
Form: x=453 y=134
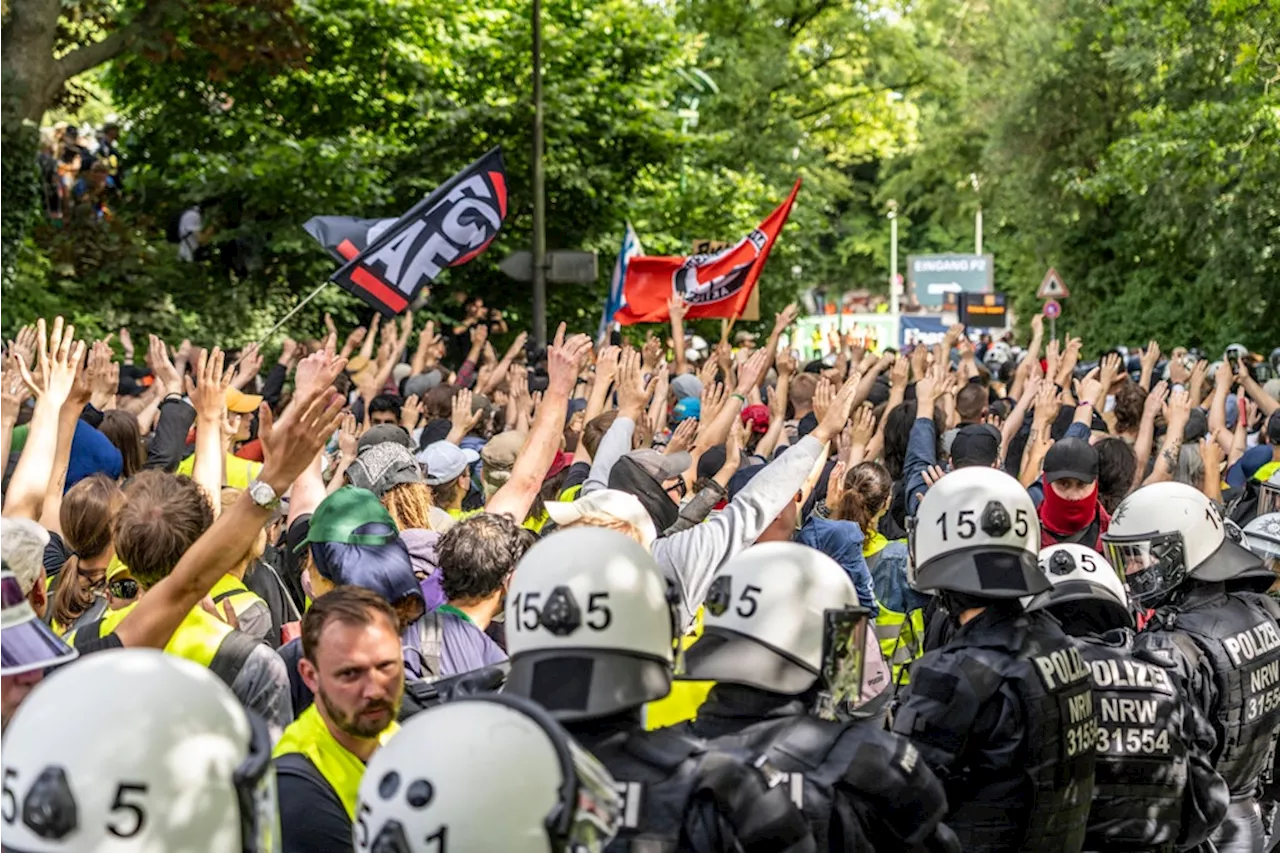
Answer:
x=451 y=226
x=346 y=236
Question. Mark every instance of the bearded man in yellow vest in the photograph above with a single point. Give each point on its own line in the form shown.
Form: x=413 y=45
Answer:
x=163 y=515
x=351 y=661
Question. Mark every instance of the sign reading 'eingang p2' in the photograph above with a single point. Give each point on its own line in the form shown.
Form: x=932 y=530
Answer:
x=930 y=278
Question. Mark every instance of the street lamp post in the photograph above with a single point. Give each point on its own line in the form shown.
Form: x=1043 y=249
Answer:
x=894 y=304
x=977 y=217
x=539 y=200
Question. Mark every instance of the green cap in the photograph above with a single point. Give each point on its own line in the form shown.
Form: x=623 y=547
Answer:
x=346 y=511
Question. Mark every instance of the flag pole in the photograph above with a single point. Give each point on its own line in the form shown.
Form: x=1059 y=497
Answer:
x=312 y=295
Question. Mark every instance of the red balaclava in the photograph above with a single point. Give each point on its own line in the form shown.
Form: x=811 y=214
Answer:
x=1060 y=517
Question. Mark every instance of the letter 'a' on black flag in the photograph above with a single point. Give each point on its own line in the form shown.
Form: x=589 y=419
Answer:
x=451 y=226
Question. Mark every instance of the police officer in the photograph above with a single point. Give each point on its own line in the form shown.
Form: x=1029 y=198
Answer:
x=1003 y=712
x=1169 y=541
x=783 y=639
x=482 y=774
x=591 y=635
x=180 y=765
x=1262 y=537
x=1154 y=784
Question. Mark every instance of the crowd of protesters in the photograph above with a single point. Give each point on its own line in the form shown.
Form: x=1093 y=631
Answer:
x=346 y=534
x=81 y=172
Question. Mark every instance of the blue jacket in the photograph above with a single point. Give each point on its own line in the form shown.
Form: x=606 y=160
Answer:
x=890 y=578
x=842 y=542
x=921 y=453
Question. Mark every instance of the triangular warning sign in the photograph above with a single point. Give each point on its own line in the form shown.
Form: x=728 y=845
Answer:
x=1052 y=286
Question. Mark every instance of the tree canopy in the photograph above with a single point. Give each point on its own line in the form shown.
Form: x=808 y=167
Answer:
x=1133 y=145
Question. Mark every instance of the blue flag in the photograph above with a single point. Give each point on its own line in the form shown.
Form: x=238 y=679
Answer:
x=614 y=302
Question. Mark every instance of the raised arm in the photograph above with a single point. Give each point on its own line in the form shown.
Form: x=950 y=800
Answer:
x=208 y=394
x=1147 y=430
x=676 y=308
x=1176 y=415
x=534 y=460
x=1218 y=407
x=315 y=373
x=58 y=359
x=288 y=449
x=1265 y=401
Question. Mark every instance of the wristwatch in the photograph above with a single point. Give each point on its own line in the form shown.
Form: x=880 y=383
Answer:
x=263 y=495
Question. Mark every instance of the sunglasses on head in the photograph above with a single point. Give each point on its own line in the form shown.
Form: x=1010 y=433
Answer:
x=124 y=588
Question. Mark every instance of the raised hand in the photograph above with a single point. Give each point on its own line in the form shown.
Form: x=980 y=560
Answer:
x=126 y=343
x=928 y=389
x=835 y=484
x=1091 y=388
x=683 y=436
x=838 y=413
x=249 y=364
x=1037 y=325
x=24 y=345
x=633 y=392
x=13 y=393
x=316 y=371
x=58 y=360
x=161 y=367
x=650 y=353
x=563 y=357
x=823 y=394
x=461 y=416
x=713 y=399
x=208 y=393
x=1155 y=401
x=785 y=318
x=677 y=308
x=1111 y=369
x=289 y=352
x=348 y=438
x=751 y=374
x=786 y=363
x=900 y=372
x=410 y=412
x=864 y=425
x=1177 y=411
x=479 y=334
x=103 y=376
x=607 y=364
x=289 y=446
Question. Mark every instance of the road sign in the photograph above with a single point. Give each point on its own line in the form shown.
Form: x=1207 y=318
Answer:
x=1053 y=309
x=931 y=277
x=1052 y=287
x=563 y=265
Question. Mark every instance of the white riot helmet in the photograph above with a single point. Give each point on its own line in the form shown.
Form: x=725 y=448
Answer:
x=195 y=774
x=1083 y=579
x=976 y=532
x=589 y=627
x=997 y=354
x=441 y=775
x=1262 y=537
x=766 y=618
x=1164 y=533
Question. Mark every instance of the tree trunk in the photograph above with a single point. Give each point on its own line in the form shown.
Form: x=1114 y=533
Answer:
x=29 y=69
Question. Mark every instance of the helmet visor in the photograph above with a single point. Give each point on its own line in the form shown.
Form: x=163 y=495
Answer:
x=598 y=812
x=1150 y=566
x=844 y=634
x=1268 y=499
x=256 y=793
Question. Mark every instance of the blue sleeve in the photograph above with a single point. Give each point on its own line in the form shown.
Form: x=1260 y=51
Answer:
x=921 y=445
x=1078 y=430
x=842 y=542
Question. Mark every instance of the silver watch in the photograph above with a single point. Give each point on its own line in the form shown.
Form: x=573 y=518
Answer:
x=263 y=495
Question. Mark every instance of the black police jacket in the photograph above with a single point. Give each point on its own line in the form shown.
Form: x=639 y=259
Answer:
x=1154 y=783
x=1227 y=647
x=861 y=788
x=681 y=796
x=1004 y=716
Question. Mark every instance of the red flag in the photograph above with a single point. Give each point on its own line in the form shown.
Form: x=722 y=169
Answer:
x=717 y=284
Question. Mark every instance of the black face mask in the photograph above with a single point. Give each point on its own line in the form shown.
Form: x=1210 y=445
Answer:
x=628 y=476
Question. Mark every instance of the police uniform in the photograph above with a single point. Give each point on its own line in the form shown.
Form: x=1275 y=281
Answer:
x=1225 y=641
x=591 y=634
x=1154 y=783
x=1155 y=788
x=1003 y=712
x=1004 y=715
x=861 y=788
x=1227 y=647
